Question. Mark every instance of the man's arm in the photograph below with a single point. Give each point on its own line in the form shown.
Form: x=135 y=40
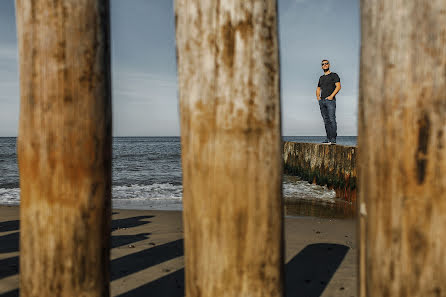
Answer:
x=318 y=93
x=336 y=90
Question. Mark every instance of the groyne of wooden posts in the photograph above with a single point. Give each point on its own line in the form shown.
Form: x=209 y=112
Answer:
x=330 y=165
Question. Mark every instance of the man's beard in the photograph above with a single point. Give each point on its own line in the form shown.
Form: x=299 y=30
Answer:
x=326 y=70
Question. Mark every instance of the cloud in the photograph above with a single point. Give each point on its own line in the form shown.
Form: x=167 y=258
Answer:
x=144 y=84
x=8 y=58
x=9 y=86
x=144 y=103
x=310 y=31
x=143 y=87
x=8 y=52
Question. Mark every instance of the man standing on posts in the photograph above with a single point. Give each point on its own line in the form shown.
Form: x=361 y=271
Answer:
x=330 y=84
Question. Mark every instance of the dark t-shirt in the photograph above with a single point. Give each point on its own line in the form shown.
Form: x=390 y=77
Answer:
x=327 y=84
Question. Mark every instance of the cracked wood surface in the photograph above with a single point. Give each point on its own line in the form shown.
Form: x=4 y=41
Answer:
x=402 y=149
x=64 y=147
x=228 y=69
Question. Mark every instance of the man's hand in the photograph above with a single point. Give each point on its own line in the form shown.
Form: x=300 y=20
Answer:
x=318 y=98
x=338 y=88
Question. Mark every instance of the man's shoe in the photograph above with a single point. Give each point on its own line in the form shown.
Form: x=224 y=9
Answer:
x=326 y=142
x=333 y=142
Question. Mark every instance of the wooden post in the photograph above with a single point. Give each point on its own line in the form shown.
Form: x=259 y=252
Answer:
x=64 y=147
x=402 y=148
x=228 y=72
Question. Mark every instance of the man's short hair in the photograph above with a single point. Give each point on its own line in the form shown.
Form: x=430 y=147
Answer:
x=325 y=60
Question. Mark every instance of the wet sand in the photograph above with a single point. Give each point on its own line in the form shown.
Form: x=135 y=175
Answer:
x=147 y=254
x=335 y=209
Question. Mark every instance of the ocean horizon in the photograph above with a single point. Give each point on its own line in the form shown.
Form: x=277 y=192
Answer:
x=146 y=172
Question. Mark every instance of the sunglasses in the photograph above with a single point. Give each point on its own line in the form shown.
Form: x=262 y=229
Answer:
x=325 y=64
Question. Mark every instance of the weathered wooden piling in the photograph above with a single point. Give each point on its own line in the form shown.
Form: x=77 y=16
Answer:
x=64 y=147
x=331 y=165
x=402 y=149
x=228 y=71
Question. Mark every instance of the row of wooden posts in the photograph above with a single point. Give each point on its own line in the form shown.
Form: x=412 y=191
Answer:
x=228 y=69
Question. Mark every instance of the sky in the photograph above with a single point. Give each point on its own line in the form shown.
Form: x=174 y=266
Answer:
x=144 y=81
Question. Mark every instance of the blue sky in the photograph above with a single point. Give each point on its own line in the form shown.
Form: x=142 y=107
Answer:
x=145 y=101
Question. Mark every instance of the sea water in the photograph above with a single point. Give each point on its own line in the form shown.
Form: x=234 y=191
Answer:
x=147 y=174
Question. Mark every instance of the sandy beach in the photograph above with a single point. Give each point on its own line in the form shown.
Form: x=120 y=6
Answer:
x=147 y=254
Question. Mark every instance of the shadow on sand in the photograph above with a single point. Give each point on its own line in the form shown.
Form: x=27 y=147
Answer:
x=9 y=226
x=10 y=242
x=129 y=222
x=144 y=259
x=307 y=274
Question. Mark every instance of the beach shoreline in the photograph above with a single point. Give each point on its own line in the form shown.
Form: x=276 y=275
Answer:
x=147 y=254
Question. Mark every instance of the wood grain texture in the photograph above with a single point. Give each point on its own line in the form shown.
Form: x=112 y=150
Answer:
x=228 y=69
x=64 y=147
x=402 y=148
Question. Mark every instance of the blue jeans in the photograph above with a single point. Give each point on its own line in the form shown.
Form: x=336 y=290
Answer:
x=328 y=112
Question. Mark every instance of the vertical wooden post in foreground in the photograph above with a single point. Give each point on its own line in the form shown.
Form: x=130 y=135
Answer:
x=402 y=148
x=64 y=147
x=228 y=71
